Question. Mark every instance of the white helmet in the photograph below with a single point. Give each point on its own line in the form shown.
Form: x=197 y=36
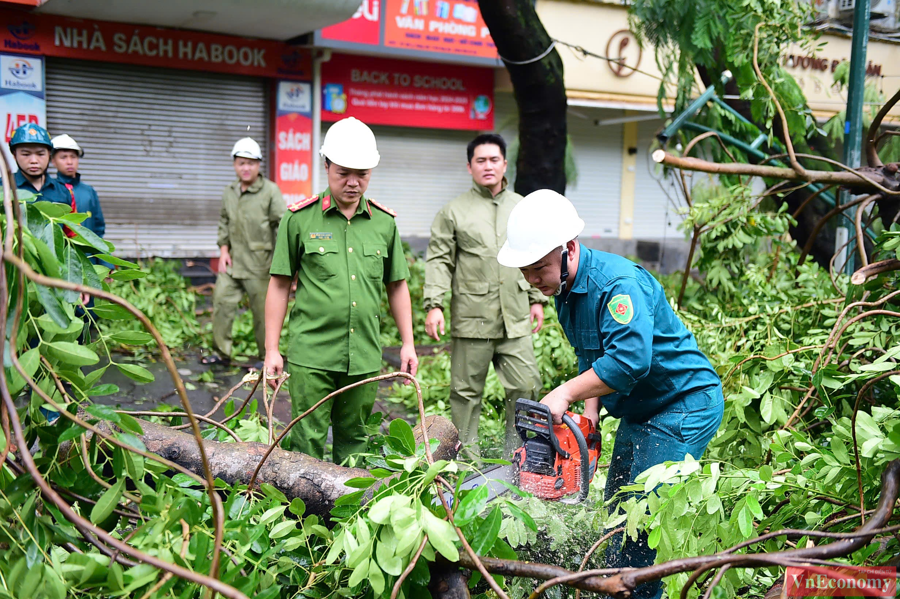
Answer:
x=351 y=144
x=246 y=148
x=65 y=142
x=541 y=222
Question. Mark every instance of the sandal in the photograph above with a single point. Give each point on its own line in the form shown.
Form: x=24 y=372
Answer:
x=214 y=359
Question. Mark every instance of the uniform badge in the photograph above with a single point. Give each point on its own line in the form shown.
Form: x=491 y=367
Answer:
x=318 y=236
x=621 y=308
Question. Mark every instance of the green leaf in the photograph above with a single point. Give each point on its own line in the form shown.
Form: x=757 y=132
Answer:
x=380 y=512
x=52 y=209
x=72 y=353
x=30 y=361
x=487 y=532
x=52 y=306
x=402 y=431
x=376 y=578
x=91 y=278
x=102 y=412
x=73 y=273
x=128 y=275
x=109 y=311
x=755 y=508
x=107 y=502
x=471 y=505
x=745 y=522
x=282 y=529
x=521 y=515
x=101 y=390
x=359 y=573
x=70 y=433
x=433 y=471
x=441 y=535
x=136 y=373
x=87 y=237
x=654 y=537
x=765 y=473
x=131 y=337
x=297 y=507
x=130 y=423
x=116 y=261
x=389 y=562
x=272 y=514
x=360 y=483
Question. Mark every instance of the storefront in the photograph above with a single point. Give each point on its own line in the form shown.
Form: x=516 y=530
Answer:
x=157 y=112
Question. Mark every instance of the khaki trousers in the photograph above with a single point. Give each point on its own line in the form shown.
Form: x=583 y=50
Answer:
x=226 y=298
x=516 y=367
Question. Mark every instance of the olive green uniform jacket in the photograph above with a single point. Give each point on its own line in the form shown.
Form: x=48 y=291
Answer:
x=489 y=301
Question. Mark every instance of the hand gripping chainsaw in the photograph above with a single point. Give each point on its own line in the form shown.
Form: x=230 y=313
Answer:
x=555 y=460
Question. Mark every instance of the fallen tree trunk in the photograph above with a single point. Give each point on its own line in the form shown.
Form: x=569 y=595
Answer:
x=319 y=484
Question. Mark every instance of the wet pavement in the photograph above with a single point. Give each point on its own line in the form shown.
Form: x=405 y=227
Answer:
x=205 y=386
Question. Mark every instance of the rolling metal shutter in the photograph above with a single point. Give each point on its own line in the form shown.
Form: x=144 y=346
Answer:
x=655 y=215
x=598 y=156
x=157 y=146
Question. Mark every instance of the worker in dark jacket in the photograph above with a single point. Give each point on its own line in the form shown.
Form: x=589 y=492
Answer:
x=30 y=146
x=635 y=356
x=66 y=155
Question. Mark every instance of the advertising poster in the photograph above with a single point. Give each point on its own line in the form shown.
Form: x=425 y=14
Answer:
x=363 y=28
x=380 y=91
x=21 y=96
x=293 y=140
x=444 y=26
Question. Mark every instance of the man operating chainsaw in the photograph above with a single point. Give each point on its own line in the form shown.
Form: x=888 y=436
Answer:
x=635 y=356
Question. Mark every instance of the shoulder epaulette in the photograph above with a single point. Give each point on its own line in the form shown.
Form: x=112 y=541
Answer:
x=382 y=208
x=300 y=204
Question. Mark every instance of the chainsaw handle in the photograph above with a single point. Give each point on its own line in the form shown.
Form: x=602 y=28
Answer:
x=585 y=486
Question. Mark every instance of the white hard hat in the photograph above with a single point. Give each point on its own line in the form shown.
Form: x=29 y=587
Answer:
x=246 y=148
x=65 y=142
x=541 y=222
x=351 y=144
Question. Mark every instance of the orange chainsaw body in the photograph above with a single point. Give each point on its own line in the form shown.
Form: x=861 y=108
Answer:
x=555 y=459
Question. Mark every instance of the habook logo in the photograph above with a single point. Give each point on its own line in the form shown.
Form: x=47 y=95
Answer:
x=840 y=581
x=22 y=31
x=21 y=69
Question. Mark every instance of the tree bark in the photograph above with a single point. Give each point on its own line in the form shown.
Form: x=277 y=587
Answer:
x=539 y=89
x=319 y=484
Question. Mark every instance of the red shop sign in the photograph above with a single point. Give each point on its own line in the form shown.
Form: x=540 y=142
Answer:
x=409 y=94
x=50 y=35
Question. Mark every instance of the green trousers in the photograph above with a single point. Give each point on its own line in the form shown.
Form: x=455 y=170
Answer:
x=516 y=367
x=346 y=413
x=226 y=298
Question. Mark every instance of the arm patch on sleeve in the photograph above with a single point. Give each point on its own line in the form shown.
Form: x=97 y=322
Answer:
x=621 y=308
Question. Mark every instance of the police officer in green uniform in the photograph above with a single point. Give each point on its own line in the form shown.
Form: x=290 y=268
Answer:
x=492 y=321
x=30 y=145
x=343 y=247
x=252 y=208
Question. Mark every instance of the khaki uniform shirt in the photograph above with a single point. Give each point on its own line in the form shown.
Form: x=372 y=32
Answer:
x=335 y=323
x=247 y=225
x=489 y=301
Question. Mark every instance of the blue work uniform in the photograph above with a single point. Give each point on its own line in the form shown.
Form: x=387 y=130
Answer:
x=51 y=191
x=86 y=201
x=665 y=391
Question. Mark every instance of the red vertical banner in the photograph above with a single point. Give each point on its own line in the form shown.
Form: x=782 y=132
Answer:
x=293 y=140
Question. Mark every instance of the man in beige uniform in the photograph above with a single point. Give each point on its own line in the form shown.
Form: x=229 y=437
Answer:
x=252 y=208
x=492 y=321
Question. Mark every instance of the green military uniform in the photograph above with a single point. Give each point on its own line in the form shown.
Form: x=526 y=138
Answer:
x=336 y=318
x=247 y=225
x=490 y=306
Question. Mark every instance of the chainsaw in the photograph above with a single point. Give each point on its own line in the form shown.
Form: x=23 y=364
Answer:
x=555 y=461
